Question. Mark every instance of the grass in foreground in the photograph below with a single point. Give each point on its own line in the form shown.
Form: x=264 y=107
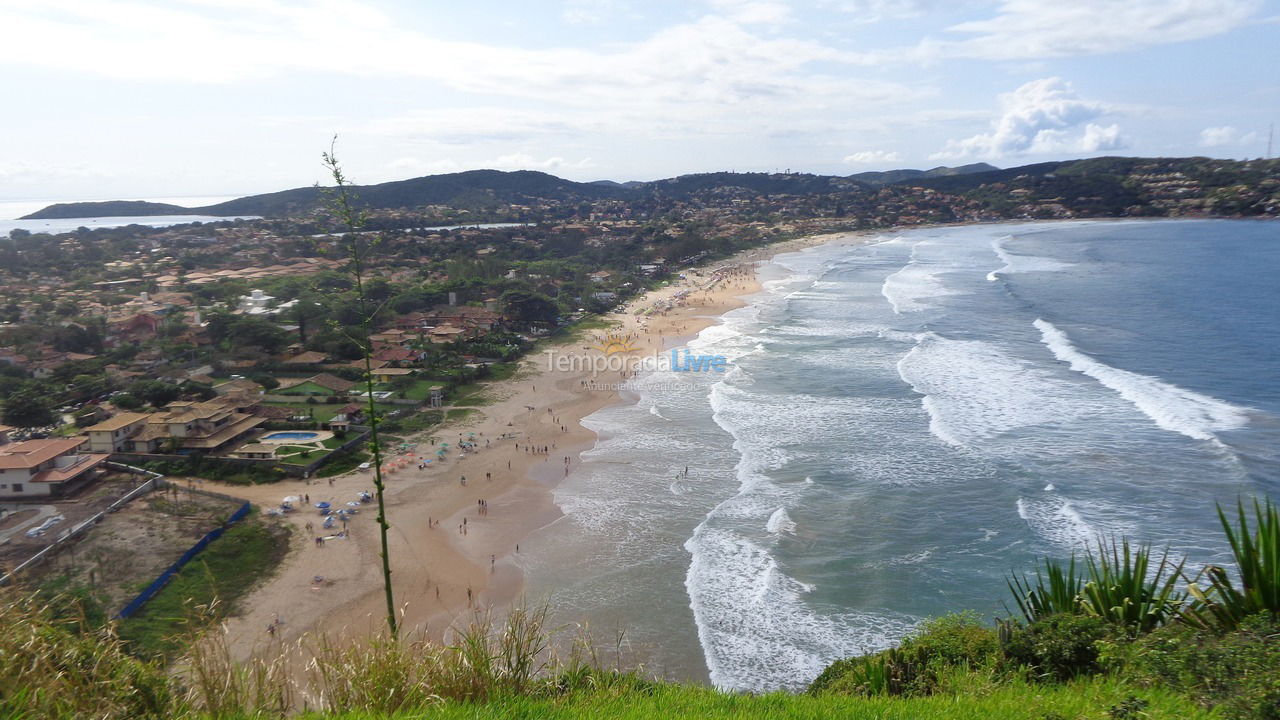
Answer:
x=1093 y=698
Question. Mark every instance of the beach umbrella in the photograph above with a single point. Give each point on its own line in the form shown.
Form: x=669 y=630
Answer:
x=291 y=498
x=353 y=504
x=322 y=505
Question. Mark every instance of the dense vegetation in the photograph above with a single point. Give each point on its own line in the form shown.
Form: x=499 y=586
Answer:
x=1107 y=637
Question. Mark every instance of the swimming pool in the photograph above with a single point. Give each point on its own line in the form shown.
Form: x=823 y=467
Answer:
x=290 y=436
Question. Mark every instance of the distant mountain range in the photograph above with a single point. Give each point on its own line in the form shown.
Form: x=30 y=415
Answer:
x=1103 y=186
x=889 y=177
x=481 y=188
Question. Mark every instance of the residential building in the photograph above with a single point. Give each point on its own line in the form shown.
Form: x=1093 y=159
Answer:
x=46 y=468
x=322 y=384
x=187 y=428
x=111 y=435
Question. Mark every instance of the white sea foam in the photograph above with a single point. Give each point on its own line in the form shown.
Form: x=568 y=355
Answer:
x=1169 y=406
x=1056 y=520
x=780 y=522
x=916 y=281
x=974 y=391
x=756 y=628
x=1021 y=263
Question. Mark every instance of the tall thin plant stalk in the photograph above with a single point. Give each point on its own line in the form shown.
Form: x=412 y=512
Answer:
x=342 y=203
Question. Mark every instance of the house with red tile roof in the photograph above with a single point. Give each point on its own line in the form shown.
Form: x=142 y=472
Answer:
x=46 y=468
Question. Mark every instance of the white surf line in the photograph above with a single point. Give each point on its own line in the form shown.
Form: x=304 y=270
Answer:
x=1172 y=408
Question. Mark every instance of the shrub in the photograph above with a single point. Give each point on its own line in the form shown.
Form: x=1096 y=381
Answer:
x=1057 y=647
x=1257 y=556
x=958 y=640
x=1124 y=590
x=1118 y=585
x=1055 y=589
x=1238 y=671
x=896 y=671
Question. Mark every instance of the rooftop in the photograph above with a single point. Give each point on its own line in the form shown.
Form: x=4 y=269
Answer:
x=32 y=453
x=119 y=421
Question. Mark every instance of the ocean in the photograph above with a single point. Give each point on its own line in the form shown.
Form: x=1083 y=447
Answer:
x=12 y=209
x=904 y=423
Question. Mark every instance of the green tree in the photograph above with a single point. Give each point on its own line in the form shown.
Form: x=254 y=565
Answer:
x=528 y=306
x=154 y=392
x=28 y=409
x=127 y=401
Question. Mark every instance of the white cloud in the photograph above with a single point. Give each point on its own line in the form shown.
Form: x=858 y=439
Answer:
x=412 y=166
x=468 y=125
x=1042 y=116
x=872 y=157
x=1212 y=137
x=753 y=12
x=1024 y=29
x=525 y=161
x=590 y=12
x=683 y=77
x=1099 y=139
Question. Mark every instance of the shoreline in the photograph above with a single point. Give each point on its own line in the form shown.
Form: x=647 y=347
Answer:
x=465 y=561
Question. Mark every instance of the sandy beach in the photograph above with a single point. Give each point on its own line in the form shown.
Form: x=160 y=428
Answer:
x=457 y=523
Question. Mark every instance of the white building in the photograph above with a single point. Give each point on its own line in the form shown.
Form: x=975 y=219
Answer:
x=255 y=303
x=45 y=468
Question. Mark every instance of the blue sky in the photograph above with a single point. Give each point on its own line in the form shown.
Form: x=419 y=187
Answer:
x=129 y=98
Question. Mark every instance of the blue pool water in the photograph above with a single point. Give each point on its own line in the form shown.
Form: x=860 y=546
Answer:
x=291 y=436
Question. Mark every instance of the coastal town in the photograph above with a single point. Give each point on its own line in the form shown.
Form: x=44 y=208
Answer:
x=237 y=361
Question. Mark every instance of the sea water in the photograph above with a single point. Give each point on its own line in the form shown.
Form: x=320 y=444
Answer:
x=904 y=423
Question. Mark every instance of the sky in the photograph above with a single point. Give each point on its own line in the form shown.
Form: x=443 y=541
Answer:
x=123 y=99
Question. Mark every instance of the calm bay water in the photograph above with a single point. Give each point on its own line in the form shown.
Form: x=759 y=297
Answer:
x=907 y=421
x=12 y=209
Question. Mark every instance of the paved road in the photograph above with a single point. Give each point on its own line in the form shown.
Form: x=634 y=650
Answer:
x=44 y=511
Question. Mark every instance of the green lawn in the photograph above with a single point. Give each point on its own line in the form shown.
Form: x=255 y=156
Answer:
x=322 y=412
x=300 y=459
x=421 y=390
x=1099 y=698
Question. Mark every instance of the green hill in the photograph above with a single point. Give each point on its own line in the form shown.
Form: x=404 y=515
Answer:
x=108 y=208
x=893 y=176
